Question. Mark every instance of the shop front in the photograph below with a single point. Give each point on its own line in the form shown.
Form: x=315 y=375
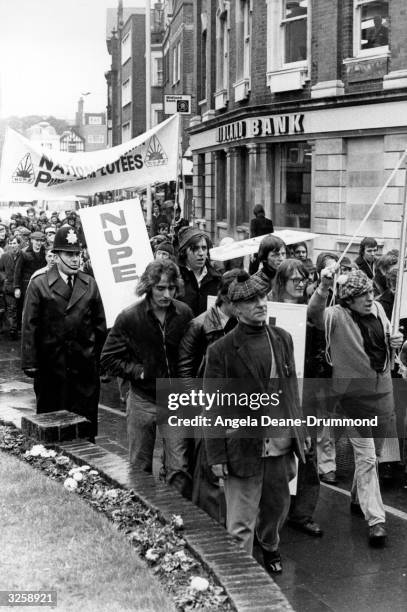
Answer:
x=317 y=170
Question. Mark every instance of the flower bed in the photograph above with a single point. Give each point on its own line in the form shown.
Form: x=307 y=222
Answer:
x=161 y=545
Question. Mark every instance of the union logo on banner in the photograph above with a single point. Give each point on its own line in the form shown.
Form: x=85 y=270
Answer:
x=24 y=173
x=155 y=155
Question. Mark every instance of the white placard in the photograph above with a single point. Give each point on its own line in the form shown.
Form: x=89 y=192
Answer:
x=251 y=245
x=119 y=249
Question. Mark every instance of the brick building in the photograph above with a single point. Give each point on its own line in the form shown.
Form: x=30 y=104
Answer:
x=301 y=107
x=126 y=79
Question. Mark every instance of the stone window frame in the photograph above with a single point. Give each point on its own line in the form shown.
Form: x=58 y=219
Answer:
x=222 y=53
x=358 y=52
x=244 y=18
x=281 y=75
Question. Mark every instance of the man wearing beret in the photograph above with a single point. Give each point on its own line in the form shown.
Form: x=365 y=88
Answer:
x=358 y=342
x=256 y=464
x=31 y=260
x=63 y=332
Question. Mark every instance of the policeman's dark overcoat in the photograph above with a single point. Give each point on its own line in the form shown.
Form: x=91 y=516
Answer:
x=62 y=337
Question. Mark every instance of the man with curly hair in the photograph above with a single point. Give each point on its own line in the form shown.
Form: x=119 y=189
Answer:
x=142 y=346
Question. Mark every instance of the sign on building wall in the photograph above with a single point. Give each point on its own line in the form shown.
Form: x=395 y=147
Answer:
x=177 y=104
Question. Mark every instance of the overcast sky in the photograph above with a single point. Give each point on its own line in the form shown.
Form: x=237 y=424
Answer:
x=50 y=52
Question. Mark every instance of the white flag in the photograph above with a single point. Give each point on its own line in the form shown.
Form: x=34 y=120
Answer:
x=146 y=159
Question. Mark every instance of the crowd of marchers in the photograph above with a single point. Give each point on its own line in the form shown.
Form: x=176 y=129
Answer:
x=49 y=293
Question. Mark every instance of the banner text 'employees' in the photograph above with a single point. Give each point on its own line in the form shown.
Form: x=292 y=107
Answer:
x=119 y=236
x=125 y=163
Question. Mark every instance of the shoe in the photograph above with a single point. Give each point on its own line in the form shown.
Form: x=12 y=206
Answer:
x=356 y=509
x=328 y=478
x=309 y=527
x=377 y=535
x=272 y=561
x=386 y=472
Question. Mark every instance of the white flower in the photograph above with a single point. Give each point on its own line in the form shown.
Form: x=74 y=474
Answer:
x=84 y=468
x=70 y=484
x=49 y=454
x=199 y=584
x=62 y=460
x=151 y=555
x=37 y=450
x=93 y=473
x=177 y=520
x=78 y=476
x=74 y=470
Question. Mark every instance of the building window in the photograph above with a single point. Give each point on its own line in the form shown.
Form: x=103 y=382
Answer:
x=94 y=120
x=166 y=67
x=157 y=114
x=96 y=139
x=243 y=33
x=126 y=47
x=126 y=92
x=292 y=205
x=157 y=72
x=176 y=63
x=371 y=33
x=126 y=131
x=204 y=39
x=243 y=186
x=221 y=182
x=222 y=51
x=294 y=26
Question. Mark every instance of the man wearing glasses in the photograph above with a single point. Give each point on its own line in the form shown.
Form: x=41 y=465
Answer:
x=142 y=346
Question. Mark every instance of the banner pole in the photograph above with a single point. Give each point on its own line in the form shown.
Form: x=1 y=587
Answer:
x=400 y=272
x=148 y=97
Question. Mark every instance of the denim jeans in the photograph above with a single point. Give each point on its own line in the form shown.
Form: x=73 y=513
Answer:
x=141 y=431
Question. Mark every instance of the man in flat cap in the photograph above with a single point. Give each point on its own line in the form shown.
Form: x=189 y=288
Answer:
x=31 y=260
x=359 y=341
x=63 y=332
x=256 y=464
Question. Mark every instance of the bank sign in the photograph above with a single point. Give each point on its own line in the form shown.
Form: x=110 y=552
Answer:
x=275 y=125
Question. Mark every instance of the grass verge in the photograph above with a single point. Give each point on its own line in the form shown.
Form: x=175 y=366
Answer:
x=52 y=539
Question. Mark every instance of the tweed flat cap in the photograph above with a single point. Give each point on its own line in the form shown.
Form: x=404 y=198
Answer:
x=245 y=288
x=354 y=284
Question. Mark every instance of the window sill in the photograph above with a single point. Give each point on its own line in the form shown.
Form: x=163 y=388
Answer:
x=367 y=57
x=221 y=99
x=287 y=79
x=241 y=89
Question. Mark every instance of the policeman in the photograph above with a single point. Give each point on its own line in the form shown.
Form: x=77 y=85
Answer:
x=63 y=333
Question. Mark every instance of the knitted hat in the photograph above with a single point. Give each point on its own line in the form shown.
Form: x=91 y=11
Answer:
x=245 y=288
x=165 y=246
x=187 y=233
x=354 y=284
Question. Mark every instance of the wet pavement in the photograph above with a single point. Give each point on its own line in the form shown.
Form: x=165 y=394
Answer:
x=338 y=572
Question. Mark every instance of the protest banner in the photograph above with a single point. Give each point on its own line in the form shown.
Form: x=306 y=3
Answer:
x=37 y=173
x=251 y=245
x=119 y=249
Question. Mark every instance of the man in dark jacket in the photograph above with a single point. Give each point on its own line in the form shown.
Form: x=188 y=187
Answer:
x=63 y=333
x=142 y=346
x=205 y=329
x=200 y=278
x=7 y=266
x=31 y=260
x=257 y=465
